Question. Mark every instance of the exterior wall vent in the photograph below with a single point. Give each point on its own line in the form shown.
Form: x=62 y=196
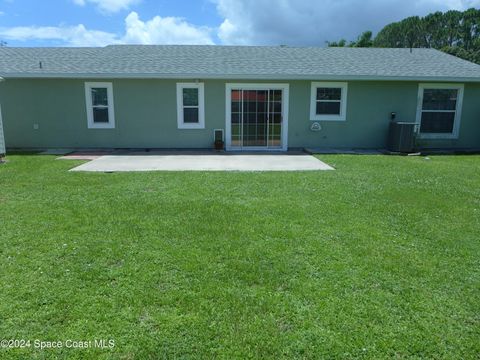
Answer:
x=218 y=135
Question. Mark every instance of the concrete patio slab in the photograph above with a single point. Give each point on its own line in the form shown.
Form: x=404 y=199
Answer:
x=280 y=162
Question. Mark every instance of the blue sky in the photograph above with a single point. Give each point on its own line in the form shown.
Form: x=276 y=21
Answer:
x=52 y=12
x=238 y=22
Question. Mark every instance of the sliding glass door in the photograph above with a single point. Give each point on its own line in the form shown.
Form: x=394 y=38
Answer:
x=256 y=118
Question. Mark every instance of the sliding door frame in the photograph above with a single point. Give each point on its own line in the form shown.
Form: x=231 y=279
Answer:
x=228 y=114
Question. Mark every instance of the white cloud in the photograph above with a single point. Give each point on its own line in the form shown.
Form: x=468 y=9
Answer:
x=307 y=22
x=109 y=6
x=166 y=30
x=158 y=30
x=67 y=35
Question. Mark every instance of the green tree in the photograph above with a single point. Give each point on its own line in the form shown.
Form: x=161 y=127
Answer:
x=454 y=32
x=469 y=29
x=406 y=33
x=413 y=28
x=364 y=40
x=433 y=30
x=340 y=43
x=390 y=36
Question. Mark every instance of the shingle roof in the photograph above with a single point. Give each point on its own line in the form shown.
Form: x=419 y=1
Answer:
x=235 y=62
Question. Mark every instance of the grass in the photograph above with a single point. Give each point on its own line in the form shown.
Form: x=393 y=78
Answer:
x=378 y=259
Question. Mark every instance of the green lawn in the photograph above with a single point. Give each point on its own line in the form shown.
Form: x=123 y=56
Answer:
x=378 y=259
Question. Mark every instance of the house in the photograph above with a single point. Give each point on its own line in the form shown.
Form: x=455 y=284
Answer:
x=257 y=98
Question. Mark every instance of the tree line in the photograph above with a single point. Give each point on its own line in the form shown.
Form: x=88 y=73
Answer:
x=454 y=32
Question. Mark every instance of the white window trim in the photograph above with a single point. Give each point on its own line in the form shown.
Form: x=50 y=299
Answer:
x=88 y=101
x=201 y=106
x=458 y=110
x=343 y=101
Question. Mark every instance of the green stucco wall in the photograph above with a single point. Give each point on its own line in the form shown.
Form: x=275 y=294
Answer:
x=145 y=115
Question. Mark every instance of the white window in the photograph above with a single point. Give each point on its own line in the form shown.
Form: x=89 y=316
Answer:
x=99 y=100
x=439 y=110
x=328 y=101
x=190 y=106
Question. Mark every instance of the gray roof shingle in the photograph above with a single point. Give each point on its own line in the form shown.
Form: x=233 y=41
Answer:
x=235 y=62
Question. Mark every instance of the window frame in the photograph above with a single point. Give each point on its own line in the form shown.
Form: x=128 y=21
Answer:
x=343 y=101
x=458 y=109
x=88 y=101
x=201 y=106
